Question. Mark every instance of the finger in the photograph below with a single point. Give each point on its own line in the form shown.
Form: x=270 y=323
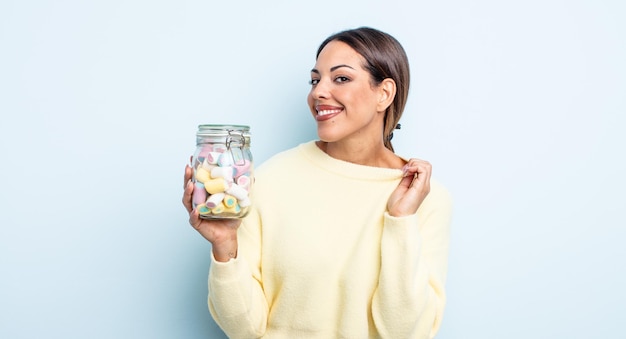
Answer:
x=187 y=196
x=417 y=168
x=424 y=168
x=406 y=181
x=411 y=167
x=422 y=176
x=187 y=176
x=194 y=220
x=414 y=162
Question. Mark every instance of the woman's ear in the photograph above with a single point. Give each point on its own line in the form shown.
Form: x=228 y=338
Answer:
x=386 y=92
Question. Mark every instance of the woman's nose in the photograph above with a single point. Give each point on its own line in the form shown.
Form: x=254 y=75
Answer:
x=320 y=90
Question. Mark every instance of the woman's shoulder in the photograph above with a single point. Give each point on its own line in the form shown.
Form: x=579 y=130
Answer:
x=281 y=162
x=285 y=157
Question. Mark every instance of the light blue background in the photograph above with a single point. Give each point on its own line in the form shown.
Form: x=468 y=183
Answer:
x=520 y=106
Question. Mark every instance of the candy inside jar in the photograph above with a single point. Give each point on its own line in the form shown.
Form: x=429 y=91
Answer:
x=222 y=171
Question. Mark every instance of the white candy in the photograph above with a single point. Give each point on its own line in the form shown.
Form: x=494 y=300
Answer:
x=244 y=202
x=222 y=172
x=214 y=200
x=225 y=159
x=207 y=165
x=238 y=192
x=213 y=157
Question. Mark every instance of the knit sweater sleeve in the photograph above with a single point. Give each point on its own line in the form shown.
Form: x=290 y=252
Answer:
x=410 y=297
x=236 y=299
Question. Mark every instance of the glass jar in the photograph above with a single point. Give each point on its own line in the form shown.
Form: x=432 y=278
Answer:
x=222 y=171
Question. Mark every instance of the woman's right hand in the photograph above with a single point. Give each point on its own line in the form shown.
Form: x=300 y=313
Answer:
x=221 y=233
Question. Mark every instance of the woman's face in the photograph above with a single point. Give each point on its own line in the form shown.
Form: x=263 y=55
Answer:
x=342 y=99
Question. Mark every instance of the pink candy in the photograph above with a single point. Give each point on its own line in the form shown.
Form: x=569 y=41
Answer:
x=243 y=181
x=199 y=194
x=243 y=168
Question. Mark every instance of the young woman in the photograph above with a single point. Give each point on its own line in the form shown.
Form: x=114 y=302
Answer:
x=346 y=239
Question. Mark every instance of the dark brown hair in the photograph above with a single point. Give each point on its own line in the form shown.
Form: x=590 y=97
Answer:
x=384 y=58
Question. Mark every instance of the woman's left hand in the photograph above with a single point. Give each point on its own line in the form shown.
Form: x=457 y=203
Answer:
x=412 y=190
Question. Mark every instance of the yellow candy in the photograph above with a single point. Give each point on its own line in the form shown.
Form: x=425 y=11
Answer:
x=229 y=201
x=218 y=209
x=203 y=210
x=202 y=175
x=235 y=209
x=216 y=185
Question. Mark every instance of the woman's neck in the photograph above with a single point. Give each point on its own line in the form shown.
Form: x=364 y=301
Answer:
x=362 y=153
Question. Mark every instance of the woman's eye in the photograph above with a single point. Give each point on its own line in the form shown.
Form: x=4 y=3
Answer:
x=314 y=82
x=342 y=79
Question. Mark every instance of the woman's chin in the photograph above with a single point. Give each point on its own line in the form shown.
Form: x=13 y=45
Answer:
x=325 y=136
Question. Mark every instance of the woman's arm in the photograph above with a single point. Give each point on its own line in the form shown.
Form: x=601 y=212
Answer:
x=222 y=234
x=236 y=300
x=410 y=297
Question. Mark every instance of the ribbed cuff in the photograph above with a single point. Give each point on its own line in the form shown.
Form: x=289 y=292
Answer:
x=225 y=271
x=407 y=220
x=402 y=228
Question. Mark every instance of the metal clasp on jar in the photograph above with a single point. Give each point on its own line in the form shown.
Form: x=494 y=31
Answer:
x=236 y=141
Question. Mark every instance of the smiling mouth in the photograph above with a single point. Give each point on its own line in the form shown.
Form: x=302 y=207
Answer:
x=328 y=111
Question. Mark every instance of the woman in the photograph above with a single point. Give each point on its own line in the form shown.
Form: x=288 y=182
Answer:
x=346 y=239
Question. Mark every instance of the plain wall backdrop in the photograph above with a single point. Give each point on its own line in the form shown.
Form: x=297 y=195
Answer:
x=519 y=105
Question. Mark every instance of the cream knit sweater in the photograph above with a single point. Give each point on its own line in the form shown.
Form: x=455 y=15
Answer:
x=319 y=257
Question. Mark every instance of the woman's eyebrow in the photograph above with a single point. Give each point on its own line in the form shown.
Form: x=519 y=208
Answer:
x=332 y=69
x=339 y=66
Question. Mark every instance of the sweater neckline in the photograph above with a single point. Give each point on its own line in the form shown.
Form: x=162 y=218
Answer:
x=345 y=168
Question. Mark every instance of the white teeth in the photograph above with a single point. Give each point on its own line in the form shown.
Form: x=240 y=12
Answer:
x=328 y=111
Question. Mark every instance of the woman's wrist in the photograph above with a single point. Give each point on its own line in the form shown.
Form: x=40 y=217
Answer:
x=225 y=250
